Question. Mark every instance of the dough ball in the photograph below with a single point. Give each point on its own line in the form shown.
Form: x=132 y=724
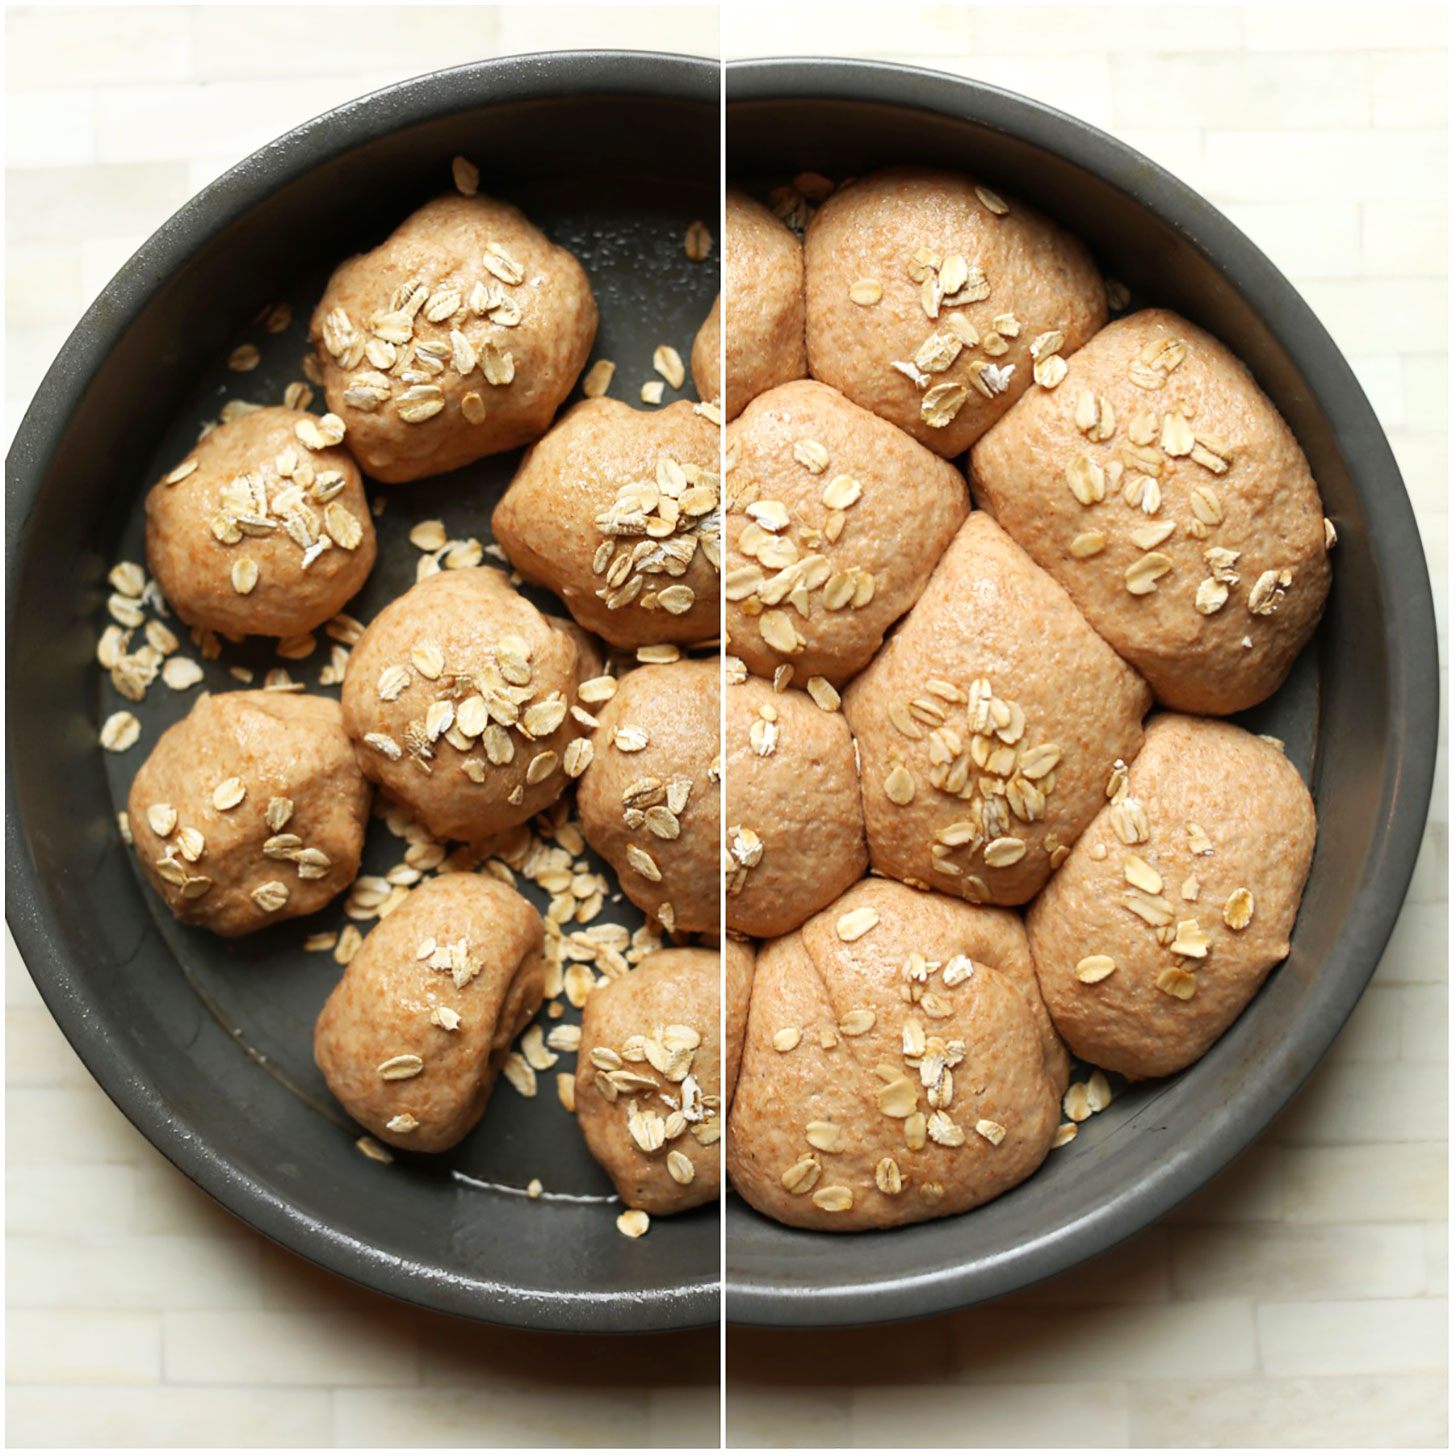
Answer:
x=737 y=989
x=458 y=336
x=795 y=835
x=1166 y=494
x=256 y=532
x=459 y=696
x=649 y=799
x=1177 y=901
x=763 y=292
x=412 y=1037
x=835 y=522
x=898 y=1064
x=250 y=810
x=616 y=510
x=648 y=1079
x=707 y=362
x=931 y=300
x=989 y=725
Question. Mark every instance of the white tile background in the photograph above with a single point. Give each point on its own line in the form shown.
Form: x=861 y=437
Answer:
x=1300 y=1300
x=138 y=1312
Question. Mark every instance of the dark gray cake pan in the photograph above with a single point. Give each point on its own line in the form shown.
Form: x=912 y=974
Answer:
x=1359 y=713
x=205 y=1045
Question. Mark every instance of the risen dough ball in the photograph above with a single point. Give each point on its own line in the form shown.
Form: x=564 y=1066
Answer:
x=457 y=337
x=963 y=288
x=737 y=990
x=459 y=697
x=648 y=1081
x=649 y=798
x=250 y=810
x=988 y=726
x=898 y=1064
x=260 y=534
x=835 y=522
x=795 y=828
x=616 y=510
x=763 y=302
x=707 y=361
x=412 y=1037
x=1177 y=901
x=1159 y=455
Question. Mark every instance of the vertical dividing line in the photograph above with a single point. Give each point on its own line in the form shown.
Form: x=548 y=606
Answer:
x=723 y=752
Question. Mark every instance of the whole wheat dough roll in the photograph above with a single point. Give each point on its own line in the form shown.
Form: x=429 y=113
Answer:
x=989 y=725
x=413 y=1036
x=795 y=835
x=835 y=521
x=257 y=532
x=1162 y=489
x=762 y=302
x=898 y=1064
x=932 y=301
x=617 y=511
x=1178 y=900
x=250 y=810
x=458 y=336
x=648 y=1081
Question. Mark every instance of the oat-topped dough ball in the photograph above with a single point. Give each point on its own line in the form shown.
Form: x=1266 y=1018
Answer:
x=1177 y=901
x=648 y=1081
x=250 y=810
x=933 y=301
x=795 y=835
x=463 y=700
x=763 y=302
x=649 y=797
x=898 y=1064
x=706 y=361
x=1160 y=486
x=263 y=528
x=412 y=1037
x=737 y=991
x=616 y=510
x=989 y=725
x=835 y=521
x=458 y=336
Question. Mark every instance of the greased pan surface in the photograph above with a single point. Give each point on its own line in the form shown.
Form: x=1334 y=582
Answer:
x=207 y=1045
x=1358 y=714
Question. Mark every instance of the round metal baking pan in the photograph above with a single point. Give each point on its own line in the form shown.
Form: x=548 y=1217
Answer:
x=207 y=1045
x=1359 y=713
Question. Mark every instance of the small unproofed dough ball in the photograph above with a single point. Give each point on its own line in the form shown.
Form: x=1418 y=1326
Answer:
x=835 y=521
x=1177 y=901
x=616 y=510
x=458 y=336
x=413 y=1036
x=989 y=725
x=763 y=302
x=257 y=532
x=250 y=810
x=898 y=1065
x=737 y=991
x=931 y=300
x=1164 y=491
x=648 y=1080
x=460 y=697
x=649 y=799
x=795 y=835
x=707 y=362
